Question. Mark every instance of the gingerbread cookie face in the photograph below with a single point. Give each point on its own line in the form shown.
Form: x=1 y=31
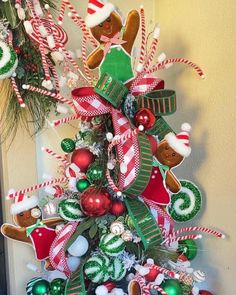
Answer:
x=27 y=218
x=108 y=28
x=167 y=155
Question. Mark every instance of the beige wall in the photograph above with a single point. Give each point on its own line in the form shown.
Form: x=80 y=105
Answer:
x=23 y=163
x=205 y=32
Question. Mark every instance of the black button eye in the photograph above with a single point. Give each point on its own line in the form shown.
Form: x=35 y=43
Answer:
x=21 y=214
x=101 y=25
x=109 y=19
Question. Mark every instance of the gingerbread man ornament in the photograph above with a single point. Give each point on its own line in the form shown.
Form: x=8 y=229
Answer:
x=30 y=227
x=170 y=153
x=116 y=40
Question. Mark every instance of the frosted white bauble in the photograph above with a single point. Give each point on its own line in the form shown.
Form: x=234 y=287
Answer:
x=79 y=247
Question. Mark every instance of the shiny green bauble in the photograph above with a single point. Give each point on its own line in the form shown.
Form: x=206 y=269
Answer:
x=95 y=173
x=41 y=288
x=57 y=287
x=82 y=185
x=188 y=248
x=171 y=287
x=68 y=145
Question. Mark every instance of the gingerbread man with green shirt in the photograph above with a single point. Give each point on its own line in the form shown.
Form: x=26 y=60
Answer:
x=30 y=227
x=116 y=41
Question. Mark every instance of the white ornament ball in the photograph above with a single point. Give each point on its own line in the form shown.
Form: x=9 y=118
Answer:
x=101 y=290
x=79 y=247
x=117 y=228
x=73 y=263
x=127 y=236
x=117 y=291
x=109 y=136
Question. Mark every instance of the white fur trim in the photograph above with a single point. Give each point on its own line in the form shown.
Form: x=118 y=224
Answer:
x=24 y=205
x=92 y=20
x=177 y=145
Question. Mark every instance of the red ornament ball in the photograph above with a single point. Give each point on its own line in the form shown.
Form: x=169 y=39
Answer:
x=204 y=292
x=153 y=143
x=151 y=276
x=82 y=158
x=95 y=201
x=145 y=117
x=117 y=208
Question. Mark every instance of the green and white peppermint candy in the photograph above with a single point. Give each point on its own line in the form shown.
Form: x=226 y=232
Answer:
x=185 y=204
x=69 y=209
x=117 y=270
x=8 y=60
x=111 y=245
x=96 y=268
x=30 y=285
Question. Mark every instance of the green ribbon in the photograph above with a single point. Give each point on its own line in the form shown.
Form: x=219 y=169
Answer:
x=144 y=223
x=163 y=168
x=31 y=228
x=75 y=284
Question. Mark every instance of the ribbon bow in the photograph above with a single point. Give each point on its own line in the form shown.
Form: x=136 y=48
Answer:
x=163 y=168
x=31 y=228
x=116 y=39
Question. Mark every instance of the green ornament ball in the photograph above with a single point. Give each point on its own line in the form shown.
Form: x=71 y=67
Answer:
x=111 y=245
x=30 y=285
x=41 y=288
x=68 y=145
x=171 y=287
x=57 y=287
x=82 y=185
x=95 y=173
x=188 y=248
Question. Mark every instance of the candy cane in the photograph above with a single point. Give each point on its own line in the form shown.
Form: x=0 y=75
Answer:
x=17 y=92
x=48 y=93
x=178 y=239
x=55 y=155
x=38 y=186
x=139 y=279
x=61 y=13
x=153 y=48
x=55 y=75
x=65 y=120
x=143 y=41
x=155 y=287
x=202 y=229
x=84 y=58
x=162 y=65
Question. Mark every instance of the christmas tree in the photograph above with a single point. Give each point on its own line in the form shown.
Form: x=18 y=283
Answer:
x=117 y=198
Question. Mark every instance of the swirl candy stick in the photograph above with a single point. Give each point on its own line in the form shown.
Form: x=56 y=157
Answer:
x=202 y=229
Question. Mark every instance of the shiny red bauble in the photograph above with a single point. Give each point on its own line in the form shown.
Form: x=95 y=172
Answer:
x=95 y=201
x=145 y=117
x=151 y=276
x=82 y=158
x=203 y=292
x=117 y=208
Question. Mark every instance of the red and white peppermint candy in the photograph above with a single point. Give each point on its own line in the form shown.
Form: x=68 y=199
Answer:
x=59 y=34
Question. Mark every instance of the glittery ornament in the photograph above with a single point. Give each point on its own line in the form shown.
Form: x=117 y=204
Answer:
x=95 y=173
x=41 y=288
x=96 y=268
x=30 y=284
x=69 y=209
x=117 y=269
x=145 y=117
x=82 y=158
x=172 y=287
x=8 y=60
x=95 y=201
x=117 y=228
x=127 y=236
x=57 y=287
x=111 y=245
x=117 y=208
x=188 y=248
x=68 y=145
x=82 y=185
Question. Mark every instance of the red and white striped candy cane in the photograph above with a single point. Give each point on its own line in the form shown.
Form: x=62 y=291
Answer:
x=61 y=13
x=38 y=186
x=17 y=92
x=151 y=54
x=144 y=38
x=142 y=283
x=84 y=58
x=48 y=93
x=201 y=229
x=183 y=238
x=162 y=65
x=65 y=120
x=56 y=156
x=151 y=286
x=55 y=75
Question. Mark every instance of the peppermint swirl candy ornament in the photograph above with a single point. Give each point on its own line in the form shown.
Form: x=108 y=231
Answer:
x=186 y=204
x=8 y=61
x=69 y=209
x=30 y=284
x=199 y=276
x=111 y=245
x=117 y=228
x=96 y=268
x=117 y=270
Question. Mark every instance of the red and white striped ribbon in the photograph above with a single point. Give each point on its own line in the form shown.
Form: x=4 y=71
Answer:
x=145 y=84
x=57 y=253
